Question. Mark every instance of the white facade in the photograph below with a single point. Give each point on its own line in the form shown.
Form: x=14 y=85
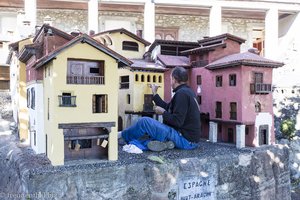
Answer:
x=36 y=117
x=14 y=86
x=263 y=119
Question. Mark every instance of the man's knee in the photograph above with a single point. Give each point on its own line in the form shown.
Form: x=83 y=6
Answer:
x=145 y=120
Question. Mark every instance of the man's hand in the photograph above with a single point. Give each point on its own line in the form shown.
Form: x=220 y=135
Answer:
x=154 y=88
x=159 y=110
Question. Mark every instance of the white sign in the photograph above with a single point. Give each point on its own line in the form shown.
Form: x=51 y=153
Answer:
x=197 y=188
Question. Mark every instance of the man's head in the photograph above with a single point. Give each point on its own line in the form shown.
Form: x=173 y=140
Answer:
x=179 y=76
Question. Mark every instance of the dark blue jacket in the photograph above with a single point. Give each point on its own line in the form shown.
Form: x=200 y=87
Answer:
x=182 y=113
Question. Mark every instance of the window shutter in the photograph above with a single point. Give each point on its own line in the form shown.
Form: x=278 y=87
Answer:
x=94 y=103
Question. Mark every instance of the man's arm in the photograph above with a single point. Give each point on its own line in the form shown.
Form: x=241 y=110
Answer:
x=156 y=98
x=180 y=109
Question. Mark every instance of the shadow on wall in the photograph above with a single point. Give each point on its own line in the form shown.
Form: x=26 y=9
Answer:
x=287 y=108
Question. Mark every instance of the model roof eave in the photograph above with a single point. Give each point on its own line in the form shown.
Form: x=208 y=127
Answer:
x=83 y=39
x=245 y=63
x=202 y=49
x=56 y=31
x=123 y=30
x=222 y=36
x=172 y=42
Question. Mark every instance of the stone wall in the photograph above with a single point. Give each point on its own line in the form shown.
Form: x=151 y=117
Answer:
x=214 y=171
x=5 y=106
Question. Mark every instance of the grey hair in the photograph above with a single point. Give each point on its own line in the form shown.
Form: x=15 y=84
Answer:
x=180 y=74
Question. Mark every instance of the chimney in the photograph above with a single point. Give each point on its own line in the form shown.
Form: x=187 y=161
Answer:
x=253 y=50
x=139 y=33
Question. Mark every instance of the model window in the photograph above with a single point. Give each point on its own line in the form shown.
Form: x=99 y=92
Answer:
x=218 y=81
x=67 y=100
x=199 y=80
x=154 y=79
x=159 y=79
x=233 y=110
x=257 y=107
x=232 y=79
x=124 y=82
x=99 y=103
x=199 y=99
x=218 y=109
x=148 y=78
x=85 y=72
x=28 y=98
x=142 y=78
x=136 y=77
x=32 y=98
x=130 y=46
x=128 y=98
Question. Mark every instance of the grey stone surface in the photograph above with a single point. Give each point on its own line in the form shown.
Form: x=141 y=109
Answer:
x=250 y=173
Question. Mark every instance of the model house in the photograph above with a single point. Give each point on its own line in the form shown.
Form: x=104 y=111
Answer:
x=135 y=96
x=18 y=88
x=234 y=91
x=72 y=86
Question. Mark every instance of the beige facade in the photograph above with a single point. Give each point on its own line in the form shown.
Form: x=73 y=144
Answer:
x=56 y=84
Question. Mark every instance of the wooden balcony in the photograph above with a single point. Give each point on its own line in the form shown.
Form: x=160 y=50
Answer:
x=85 y=80
x=260 y=88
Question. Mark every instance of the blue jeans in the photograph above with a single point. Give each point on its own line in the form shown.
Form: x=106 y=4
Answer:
x=156 y=131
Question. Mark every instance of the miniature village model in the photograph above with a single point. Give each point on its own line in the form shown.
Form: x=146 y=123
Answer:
x=80 y=90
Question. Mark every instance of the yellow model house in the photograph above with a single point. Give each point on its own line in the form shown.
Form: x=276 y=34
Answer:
x=18 y=88
x=80 y=109
x=135 y=96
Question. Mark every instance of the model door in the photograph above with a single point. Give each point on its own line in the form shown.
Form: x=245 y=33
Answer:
x=230 y=135
x=148 y=105
x=263 y=134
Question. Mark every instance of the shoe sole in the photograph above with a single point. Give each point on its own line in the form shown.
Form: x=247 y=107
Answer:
x=160 y=146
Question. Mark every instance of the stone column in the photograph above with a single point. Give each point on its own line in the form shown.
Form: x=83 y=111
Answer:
x=271 y=34
x=240 y=136
x=149 y=21
x=30 y=13
x=93 y=16
x=215 y=20
x=213 y=132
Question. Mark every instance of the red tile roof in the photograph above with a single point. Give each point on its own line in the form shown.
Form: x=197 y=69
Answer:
x=246 y=58
x=203 y=49
x=221 y=37
x=83 y=39
x=171 y=61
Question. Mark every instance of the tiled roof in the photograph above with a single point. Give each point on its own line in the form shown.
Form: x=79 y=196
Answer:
x=84 y=39
x=141 y=64
x=246 y=58
x=173 y=42
x=171 y=61
x=56 y=31
x=203 y=49
x=123 y=30
x=220 y=37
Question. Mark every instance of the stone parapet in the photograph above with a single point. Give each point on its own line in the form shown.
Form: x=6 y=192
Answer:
x=212 y=171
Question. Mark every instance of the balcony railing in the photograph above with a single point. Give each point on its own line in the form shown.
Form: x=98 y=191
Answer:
x=67 y=101
x=199 y=63
x=99 y=80
x=260 y=88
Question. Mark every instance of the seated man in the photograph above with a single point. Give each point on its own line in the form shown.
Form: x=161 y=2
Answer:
x=181 y=119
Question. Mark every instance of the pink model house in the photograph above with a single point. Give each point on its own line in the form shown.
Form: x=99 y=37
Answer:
x=234 y=89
